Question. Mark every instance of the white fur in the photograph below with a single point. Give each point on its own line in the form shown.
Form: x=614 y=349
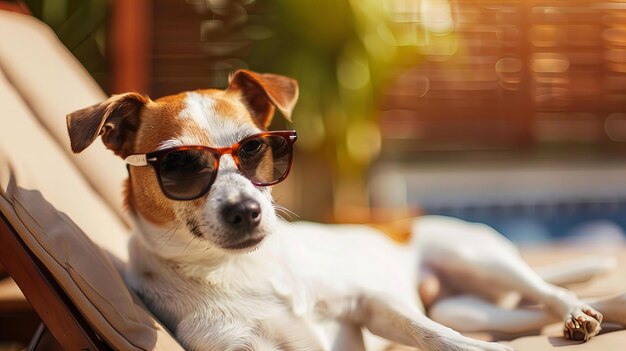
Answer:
x=223 y=132
x=309 y=286
x=166 y=144
x=286 y=293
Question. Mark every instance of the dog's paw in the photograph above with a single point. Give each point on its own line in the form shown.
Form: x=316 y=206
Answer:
x=582 y=323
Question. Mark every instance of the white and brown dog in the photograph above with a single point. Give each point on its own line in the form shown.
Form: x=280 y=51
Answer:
x=213 y=261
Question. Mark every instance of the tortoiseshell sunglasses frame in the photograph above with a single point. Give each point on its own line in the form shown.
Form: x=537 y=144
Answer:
x=155 y=158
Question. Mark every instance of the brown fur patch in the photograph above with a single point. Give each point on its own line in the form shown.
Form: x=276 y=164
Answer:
x=262 y=92
x=157 y=123
x=128 y=203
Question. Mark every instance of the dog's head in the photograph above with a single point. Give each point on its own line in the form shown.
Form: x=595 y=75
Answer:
x=234 y=215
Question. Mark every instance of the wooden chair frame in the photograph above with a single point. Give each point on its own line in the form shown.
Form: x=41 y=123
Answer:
x=57 y=312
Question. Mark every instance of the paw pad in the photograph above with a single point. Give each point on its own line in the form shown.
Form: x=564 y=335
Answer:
x=582 y=324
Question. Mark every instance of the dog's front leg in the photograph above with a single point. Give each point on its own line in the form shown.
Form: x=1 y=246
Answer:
x=399 y=322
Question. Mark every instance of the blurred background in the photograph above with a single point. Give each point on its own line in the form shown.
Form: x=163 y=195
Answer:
x=511 y=113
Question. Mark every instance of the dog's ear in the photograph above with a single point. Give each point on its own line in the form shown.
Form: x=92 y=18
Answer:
x=261 y=92
x=116 y=119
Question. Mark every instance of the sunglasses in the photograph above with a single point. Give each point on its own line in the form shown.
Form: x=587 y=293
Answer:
x=187 y=172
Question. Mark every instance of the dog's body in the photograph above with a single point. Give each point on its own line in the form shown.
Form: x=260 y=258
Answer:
x=281 y=294
x=259 y=283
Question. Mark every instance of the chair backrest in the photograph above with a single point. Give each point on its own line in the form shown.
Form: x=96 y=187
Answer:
x=52 y=83
x=64 y=210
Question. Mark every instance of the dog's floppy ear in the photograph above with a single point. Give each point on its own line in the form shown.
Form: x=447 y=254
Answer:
x=116 y=119
x=262 y=92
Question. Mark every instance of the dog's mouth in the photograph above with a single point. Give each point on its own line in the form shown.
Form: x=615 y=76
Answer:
x=246 y=244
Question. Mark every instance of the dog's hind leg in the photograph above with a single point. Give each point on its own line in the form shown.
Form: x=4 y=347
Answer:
x=477 y=257
x=468 y=313
x=577 y=271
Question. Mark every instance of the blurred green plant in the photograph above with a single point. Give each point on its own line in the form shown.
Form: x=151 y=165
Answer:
x=81 y=27
x=343 y=53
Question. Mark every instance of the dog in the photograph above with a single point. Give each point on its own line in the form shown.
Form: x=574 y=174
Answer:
x=214 y=262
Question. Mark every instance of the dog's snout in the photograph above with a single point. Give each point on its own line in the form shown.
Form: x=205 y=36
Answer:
x=243 y=215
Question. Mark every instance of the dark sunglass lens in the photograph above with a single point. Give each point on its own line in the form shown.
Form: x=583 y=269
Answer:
x=185 y=174
x=265 y=159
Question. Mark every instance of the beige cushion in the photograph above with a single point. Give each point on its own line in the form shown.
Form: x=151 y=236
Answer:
x=45 y=166
x=40 y=190
x=52 y=84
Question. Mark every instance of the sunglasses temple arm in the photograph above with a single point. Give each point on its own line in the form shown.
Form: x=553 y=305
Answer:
x=136 y=160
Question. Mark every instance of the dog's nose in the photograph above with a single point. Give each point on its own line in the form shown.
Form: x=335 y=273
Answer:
x=243 y=215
